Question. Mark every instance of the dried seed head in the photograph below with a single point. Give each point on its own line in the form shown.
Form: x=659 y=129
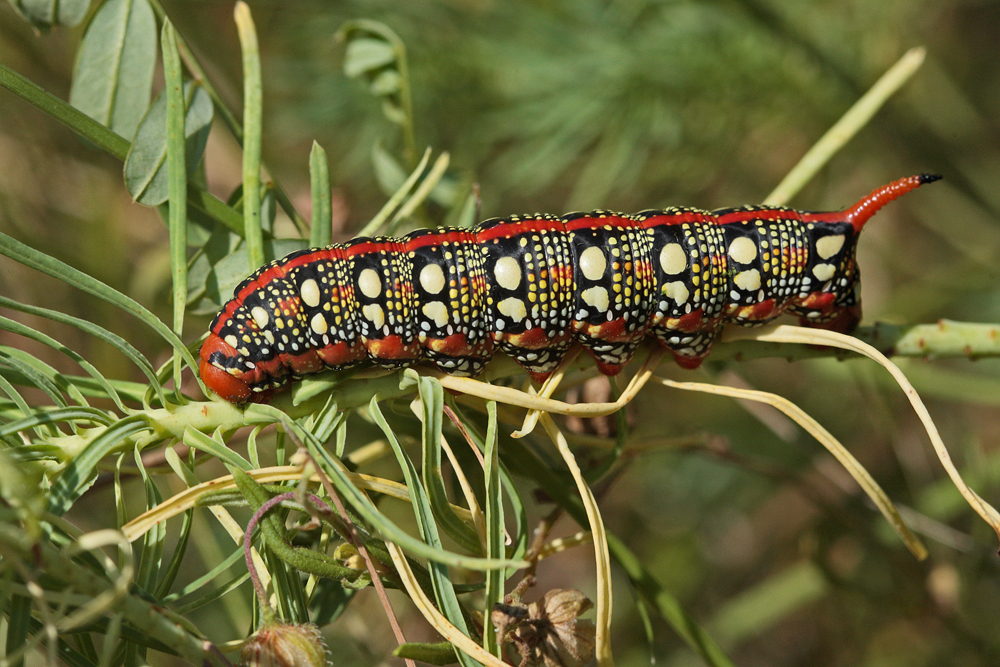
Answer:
x=278 y=644
x=549 y=632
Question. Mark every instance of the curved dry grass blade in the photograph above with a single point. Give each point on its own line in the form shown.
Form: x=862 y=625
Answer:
x=433 y=616
x=547 y=389
x=848 y=125
x=602 y=648
x=188 y=498
x=522 y=399
x=853 y=466
x=784 y=333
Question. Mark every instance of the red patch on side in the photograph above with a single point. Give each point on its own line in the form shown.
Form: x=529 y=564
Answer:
x=534 y=339
x=392 y=348
x=691 y=322
x=758 y=312
x=342 y=354
x=614 y=332
x=457 y=345
x=305 y=363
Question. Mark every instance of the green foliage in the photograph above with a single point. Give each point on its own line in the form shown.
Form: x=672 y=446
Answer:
x=120 y=527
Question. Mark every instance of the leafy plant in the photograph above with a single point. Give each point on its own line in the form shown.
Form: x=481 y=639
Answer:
x=322 y=524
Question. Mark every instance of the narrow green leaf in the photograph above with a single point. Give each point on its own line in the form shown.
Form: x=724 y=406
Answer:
x=151 y=556
x=26 y=331
x=177 y=183
x=82 y=470
x=217 y=593
x=252 y=121
x=59 y=415
x=234 y=556
x=46 y=14
x=319 y=179
x=146 y=164
x=64 y=272
x=113 y=75
x=213 y=447
x=432 y=401
x=444 y=590
x=364 y=506
x=520 y=537
x=494 y=530
x=114 y=340
x=398 y=196
x=19 y=614
x=38 y=373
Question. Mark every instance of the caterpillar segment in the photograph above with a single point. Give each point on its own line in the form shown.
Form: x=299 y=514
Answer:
x=533 y=286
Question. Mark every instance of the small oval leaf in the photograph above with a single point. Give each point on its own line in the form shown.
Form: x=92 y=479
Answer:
x=365 y=54
x=113 y=75
x=46 y=14
x=386 y=82
x=146 y=164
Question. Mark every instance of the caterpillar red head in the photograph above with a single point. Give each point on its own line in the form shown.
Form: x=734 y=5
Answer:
x=532 y=286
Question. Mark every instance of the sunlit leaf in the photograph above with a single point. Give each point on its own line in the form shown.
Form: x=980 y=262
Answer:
x=146 y=164
x=113 y=76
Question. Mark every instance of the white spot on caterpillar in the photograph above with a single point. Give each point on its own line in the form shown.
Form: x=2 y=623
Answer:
x=512 y=308
x=508 y=273
x=677 y=291
x=374 y=313
x=748 y=280
x=824 y=272
x=318 y=324
x=828 y=246
x=268 y=336
x=593 y=263
x=370 y=284
x=437 y=311
x=260 y=316
x=743 y=250
x=596 y=297
x=432 y=279
x=231 y=341
x=310 y=293
x=673 y=259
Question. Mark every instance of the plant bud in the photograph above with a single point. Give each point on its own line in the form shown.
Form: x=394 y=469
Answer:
x=277 y=644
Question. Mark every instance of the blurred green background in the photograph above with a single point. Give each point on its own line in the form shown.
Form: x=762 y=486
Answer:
x=559 y=105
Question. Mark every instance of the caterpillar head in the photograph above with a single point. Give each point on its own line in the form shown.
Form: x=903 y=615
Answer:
x=228 y=384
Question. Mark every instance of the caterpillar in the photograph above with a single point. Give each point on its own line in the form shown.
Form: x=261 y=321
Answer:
x=532 y=286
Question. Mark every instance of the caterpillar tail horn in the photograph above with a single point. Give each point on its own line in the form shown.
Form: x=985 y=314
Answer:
x=861 y=212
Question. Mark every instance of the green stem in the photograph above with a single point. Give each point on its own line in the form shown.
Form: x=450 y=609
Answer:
x=252 y=112
x=177 y=183
x=227 y=116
